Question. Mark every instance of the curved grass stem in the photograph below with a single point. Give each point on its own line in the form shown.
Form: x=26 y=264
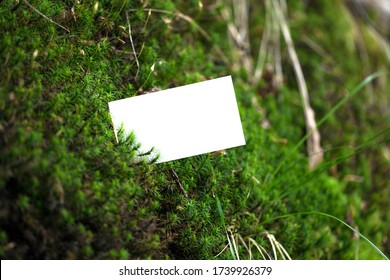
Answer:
x=334 y=218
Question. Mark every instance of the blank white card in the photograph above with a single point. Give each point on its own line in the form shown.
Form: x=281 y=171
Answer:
x=183 y=121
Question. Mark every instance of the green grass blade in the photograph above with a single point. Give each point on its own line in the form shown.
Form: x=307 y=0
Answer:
x=220 y=211
x=357 y=89
x=334 y=218
x=291 y=189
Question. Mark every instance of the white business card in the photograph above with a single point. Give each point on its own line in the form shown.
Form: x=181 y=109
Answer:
x=184 y=121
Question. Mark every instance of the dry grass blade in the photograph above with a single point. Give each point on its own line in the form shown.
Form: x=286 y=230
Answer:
x=281 y=250
x=317 y=48
x=180 y=186
x=278 y=246
x=261 y=57
x=238 y=28
x=43 y=15
x=276 y=49
x=361 y=7
x=259 y=248
x=223 y=250
x=381 y=40
x=237 y=22
x=269 y=51
x=245 y=245
x=233 y=242
x=264 y=121
x=235 y=239
x=271 y=239
x=132 y=44
x=314 y=149
x=241 y=19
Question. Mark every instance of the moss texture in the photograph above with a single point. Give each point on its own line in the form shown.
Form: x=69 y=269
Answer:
x=69 y=191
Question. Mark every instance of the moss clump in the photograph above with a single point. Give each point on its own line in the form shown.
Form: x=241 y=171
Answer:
x=69 y=191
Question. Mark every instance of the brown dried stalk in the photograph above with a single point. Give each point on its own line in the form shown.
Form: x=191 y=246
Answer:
x=314 y=149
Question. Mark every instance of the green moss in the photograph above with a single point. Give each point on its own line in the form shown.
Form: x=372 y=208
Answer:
x=69 y=191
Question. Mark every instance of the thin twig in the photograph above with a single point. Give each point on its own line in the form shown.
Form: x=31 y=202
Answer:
x=176 y=178
x=223 y=250
x=40 y=13
x=132 y=45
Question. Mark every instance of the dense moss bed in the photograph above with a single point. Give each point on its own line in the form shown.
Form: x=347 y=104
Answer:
x=68 y=190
